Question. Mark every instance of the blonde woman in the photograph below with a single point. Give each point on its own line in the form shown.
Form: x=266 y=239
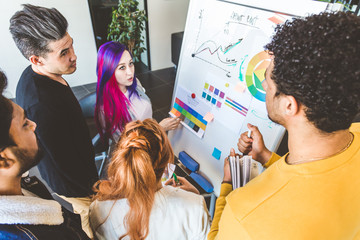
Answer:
x=132 y=204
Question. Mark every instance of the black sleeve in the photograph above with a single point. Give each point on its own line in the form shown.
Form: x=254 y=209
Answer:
x=66 y=150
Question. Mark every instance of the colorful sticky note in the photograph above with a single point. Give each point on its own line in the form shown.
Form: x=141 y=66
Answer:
x=211 y=88
x=206 y=86
x=277 y=19
x=186 y=120
x=204 y=95
x=196 y=128
x=216 y=153
x=222 y=94
x=208 y=97
x=208 y=117
x=226 y=84
x=218 y=104
x=216 y=91
x=213 y=101
x=240 y=87
x=175 y=112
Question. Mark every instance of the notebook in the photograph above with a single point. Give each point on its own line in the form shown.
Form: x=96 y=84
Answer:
x=242 y=169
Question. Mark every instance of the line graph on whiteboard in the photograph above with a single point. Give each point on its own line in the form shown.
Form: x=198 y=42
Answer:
x=227 y=50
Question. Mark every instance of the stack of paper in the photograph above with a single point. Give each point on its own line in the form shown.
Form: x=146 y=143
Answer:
x=167 y=173
x=242 y=170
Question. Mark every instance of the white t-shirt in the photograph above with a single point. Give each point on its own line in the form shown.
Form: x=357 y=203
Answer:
x=176 y=214
x=140 y=108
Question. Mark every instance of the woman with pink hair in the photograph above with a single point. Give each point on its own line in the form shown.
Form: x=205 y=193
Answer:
x=120 y=98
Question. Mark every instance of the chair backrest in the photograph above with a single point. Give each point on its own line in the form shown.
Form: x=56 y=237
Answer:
x=87 y=105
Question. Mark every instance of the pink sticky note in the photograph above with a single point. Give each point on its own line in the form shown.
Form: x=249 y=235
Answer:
x=240 y=87
x=211 y=88
x=209 y=117
x=222 y=94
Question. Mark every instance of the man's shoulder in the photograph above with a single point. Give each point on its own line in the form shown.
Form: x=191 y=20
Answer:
x=27 y=78
x=355 y=127
x=31 y=217
x=33 y=231
x=27 y=92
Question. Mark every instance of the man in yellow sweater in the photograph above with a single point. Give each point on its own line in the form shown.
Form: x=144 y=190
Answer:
x=312 y=89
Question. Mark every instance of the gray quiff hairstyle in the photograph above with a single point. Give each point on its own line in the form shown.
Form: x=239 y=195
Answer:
x=34 y=27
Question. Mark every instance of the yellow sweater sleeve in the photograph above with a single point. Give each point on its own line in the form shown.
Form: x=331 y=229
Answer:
x=274 y=157
x=226 y=188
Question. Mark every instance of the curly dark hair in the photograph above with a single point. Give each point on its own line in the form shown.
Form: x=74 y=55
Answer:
x=6 y=111
x=317 y=62
x=34 y=27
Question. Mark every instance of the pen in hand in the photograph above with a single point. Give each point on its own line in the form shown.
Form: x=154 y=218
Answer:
x=249 y=134
x=176 y=180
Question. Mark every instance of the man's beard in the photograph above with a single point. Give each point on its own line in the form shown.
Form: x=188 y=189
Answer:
x=275 y=121
x=27 y=159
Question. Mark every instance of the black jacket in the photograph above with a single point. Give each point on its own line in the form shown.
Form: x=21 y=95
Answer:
x=68 y=164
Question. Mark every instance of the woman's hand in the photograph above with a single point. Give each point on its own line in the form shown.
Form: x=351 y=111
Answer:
x=183 y=184
x=170 y=123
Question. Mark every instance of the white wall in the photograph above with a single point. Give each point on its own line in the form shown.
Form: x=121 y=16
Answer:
x=80 y=28
x=165 y=18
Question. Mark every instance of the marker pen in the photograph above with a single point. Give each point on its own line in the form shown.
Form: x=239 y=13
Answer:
x=249 y=134
x=176 y=179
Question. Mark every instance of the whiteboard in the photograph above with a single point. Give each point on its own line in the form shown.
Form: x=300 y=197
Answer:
x=221 y=68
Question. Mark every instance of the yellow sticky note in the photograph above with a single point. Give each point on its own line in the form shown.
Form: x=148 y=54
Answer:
x=226 y=84
x=209 y=117
x=240 y=87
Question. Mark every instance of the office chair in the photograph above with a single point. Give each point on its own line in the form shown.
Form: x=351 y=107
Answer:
x=87 y=105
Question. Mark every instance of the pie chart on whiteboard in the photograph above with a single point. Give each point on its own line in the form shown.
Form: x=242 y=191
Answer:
x=255 y=74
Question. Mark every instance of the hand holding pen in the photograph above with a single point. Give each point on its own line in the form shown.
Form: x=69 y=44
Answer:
x=177 y=183
x=182 y=183
x=252 y=143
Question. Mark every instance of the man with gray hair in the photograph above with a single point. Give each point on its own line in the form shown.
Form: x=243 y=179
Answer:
x=68 y=164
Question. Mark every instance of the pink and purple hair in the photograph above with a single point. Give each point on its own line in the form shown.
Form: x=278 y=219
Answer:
x=109 y=97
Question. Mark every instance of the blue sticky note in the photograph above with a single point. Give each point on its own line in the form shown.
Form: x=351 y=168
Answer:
x=213 y=101
x=216 y=153
x=204 y=95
